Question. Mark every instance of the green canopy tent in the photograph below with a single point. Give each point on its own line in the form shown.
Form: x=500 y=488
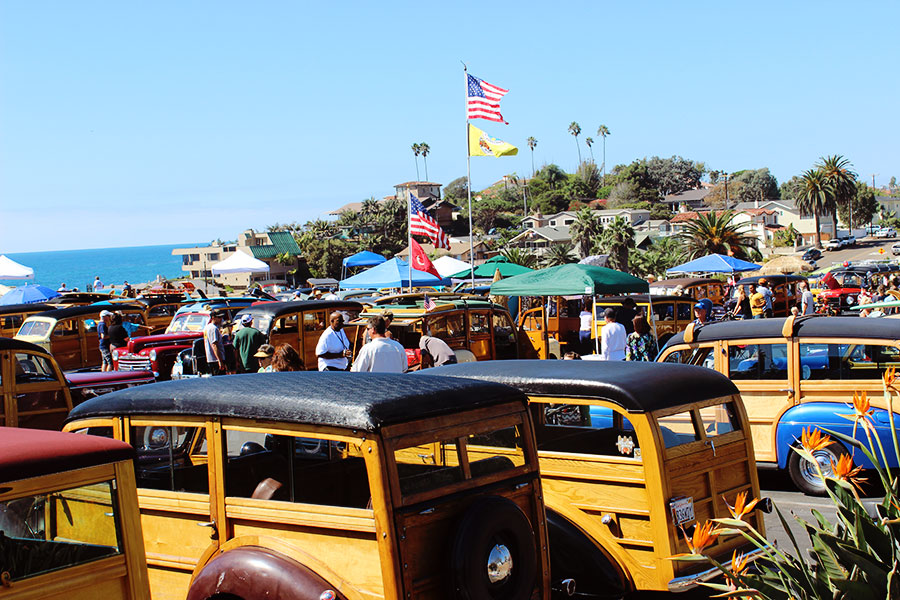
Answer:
x=488 y=269
x=571 y=280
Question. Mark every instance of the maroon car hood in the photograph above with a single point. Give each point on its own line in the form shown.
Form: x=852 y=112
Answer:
x=95 y=378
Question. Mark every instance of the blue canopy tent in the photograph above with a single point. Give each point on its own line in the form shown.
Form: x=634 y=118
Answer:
x=715 y=263
x=361 y=259
x=393 y=273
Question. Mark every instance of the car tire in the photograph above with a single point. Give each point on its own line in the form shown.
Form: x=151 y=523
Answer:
x=492 y=528
x=803 y=473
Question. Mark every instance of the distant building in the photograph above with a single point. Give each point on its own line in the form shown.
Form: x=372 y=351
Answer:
x=688 y=199
x=540 y=239
x=788 y=214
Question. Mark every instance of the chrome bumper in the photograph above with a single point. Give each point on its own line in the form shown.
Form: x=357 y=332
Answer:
x=687 y=582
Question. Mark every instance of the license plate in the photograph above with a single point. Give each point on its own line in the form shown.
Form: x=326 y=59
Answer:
x=682 y=510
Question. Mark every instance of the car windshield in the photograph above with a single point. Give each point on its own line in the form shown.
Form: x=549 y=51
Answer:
x=188 y=322
x=35 y=328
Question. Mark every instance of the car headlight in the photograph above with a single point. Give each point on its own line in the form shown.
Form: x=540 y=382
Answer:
x=850 y=299
x=153 y=355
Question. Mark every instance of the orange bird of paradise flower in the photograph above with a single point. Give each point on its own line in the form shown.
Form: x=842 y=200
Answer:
x=888 y=377
x=738 y=566
x=844 y=470
x=741 y=506
x=814 y=440
x=704 y=535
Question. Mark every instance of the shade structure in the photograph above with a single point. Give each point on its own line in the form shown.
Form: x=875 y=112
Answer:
x=28 y=294
x=785 y=265
x=4 y=289
x=239 y=263
x=598 y=260
x=488 y=269
x=715 y=263
x=10 y=269
x=394 y=273
x=363 y=259
x=570 y=280
x=447 y=266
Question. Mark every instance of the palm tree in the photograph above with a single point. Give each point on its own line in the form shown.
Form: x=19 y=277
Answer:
x=417 y=149
x=575 y=129
x=559 y=254
x=663 y=254
x=553 y=175
x=425 y=149
x=617 y=239
x=815 y=197
x=590 y=142
x=585 y=231
x=842 y=180
x=532 y=142
x=520 y=256
x=714 y=233
x=368 y=213
x=603 y=131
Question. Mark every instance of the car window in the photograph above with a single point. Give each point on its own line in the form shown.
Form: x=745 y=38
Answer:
x=50 y=531
x=314 y=321
x=757 y=361
x=33 y=368
x=171 y=457
x=684 y=311
x=479 y=323
x=677 y=429
x=35 y=328
x=65 y=328
x=287 y=324
x=504 y=336
x=306 y=470
x=583 y=429
x=846 y=361
x=447 y=326
x=664 y=311
x=702 y=356
x=719 y=419
x=11 y=321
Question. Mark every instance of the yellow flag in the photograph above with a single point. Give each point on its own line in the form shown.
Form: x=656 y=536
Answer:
x=481 y=144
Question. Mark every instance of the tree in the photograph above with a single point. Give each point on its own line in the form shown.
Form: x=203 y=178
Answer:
x=575 y=129
x=664 y=253
x=559 y=254
x=715 y=233
x=457 y=190
x=532 y=142
x=815 y=197
x=792 y=189
x=590 y=142
x=552 y=175
x=752 y=185
x=863 y=204
x=416 y=151
x=520 y=256
x=425 y=149
x=841 y=180
x=585 y=231
x=589 y=174
x=673 y=175
x=603 y=131
x=617 y=240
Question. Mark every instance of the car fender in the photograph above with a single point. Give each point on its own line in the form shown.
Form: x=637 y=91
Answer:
x=828 y=416
x=573 y=554
x=250 y=571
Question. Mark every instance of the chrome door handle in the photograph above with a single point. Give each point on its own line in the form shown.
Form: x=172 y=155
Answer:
x=214 y=534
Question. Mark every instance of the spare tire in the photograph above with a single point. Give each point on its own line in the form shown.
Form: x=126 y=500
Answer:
x=494 y=552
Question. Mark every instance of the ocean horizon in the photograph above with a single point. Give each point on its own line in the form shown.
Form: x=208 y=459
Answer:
x=114 y=266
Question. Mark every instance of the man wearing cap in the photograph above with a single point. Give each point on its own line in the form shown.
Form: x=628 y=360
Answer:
x=264 y=356
x=103 y=337
x=214 y=345
x=763 y=288
x=701 y=311
x=247 y=341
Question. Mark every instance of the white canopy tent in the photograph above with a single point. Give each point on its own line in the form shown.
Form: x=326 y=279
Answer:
x=239 y=262
x=447 y=266
x=10 y=269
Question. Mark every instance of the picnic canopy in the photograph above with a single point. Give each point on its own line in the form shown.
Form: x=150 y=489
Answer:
x=570 y=280
x=10 y=269
x=491 y=266
x=239 y=262
x=447 y=266
x=394 y=273
x=363 y=259
x=714 y=263
x=27 y=294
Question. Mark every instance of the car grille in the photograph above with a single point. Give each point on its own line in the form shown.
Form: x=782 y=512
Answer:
x=134 y=363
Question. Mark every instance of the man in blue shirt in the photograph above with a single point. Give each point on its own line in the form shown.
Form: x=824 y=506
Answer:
x=103 y=337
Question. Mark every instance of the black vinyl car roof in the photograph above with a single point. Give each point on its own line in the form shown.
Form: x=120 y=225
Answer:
x=77 y=311
x=635 y=386
x=276 y=309
x=13 y=344
x=18 y=308
x=363 y=401
x=817 y=326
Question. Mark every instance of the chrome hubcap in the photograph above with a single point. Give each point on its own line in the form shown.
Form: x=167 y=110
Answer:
x=824 y=459
x=499 y=566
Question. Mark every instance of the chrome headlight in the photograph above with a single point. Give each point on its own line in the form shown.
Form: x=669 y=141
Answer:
x=152 y=355
x=850 y=300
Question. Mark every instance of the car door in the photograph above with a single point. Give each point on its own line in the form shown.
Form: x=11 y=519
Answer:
x=66 y=344
x=38 y=397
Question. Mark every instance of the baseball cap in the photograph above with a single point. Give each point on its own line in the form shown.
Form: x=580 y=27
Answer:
x=265 y=351
x=246 y=319
x=705 y=304
x=105 y=313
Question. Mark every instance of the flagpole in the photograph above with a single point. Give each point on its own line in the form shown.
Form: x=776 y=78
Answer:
x=409 y=236
x=469 y=182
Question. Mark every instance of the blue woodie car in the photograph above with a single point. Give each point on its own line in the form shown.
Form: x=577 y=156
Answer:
x=798 y=373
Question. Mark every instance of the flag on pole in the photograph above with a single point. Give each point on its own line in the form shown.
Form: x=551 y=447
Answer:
x=481 y=144
x=420 y=260
x=429 y=304
x=483 y=100
x=422 y=223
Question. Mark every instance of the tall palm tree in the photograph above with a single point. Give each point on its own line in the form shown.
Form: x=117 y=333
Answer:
x=424 y=149
x=417 y=149
x=585 y=231
x=532 y=142
x=575 y=129
x=815 y=197
x=553 y=175
x=590 y=142
x=559 y=254
x=842 y=180
x=368 y=214
x=715 y=233
x=603 y=131
x=617 y=239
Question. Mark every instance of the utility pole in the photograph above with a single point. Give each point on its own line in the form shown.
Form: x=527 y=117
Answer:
x=725 y=175
x=524 y=200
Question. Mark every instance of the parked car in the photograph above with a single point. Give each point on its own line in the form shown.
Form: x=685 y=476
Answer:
x=885 y=233
x=895 y=249
x=70 y=333
x=795 y=373
x=631 y=454
x=832 y=244
x=843 y=285
x=13 y=315
x=35 y=393
x=69 y=523
x=696 y=287
x=812 y=254
x=344 y=486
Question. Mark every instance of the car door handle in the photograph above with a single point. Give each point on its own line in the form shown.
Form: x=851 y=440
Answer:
x=788 y=390
x=214 y=534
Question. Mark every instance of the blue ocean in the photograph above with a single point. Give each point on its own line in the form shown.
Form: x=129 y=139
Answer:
x=77 y=268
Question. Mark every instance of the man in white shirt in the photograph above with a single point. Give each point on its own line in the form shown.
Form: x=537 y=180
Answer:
x=382 y=354
x=612 y=337
x=214 y=344
x=807 y=302
x=333 y=349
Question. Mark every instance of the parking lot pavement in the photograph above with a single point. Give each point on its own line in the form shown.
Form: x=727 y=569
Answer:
x=865 y=249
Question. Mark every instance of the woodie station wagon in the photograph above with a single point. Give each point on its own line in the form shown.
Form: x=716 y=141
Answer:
x=333 y=485
x=631 y=453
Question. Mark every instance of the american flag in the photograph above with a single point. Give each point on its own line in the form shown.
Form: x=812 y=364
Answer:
x=429 y=304
x=422 y=223
x=483 y=100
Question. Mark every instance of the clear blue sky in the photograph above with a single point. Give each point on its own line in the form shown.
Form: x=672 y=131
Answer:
x=127 y=123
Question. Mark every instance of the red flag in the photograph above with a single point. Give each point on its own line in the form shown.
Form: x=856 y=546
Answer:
x=420 y=260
